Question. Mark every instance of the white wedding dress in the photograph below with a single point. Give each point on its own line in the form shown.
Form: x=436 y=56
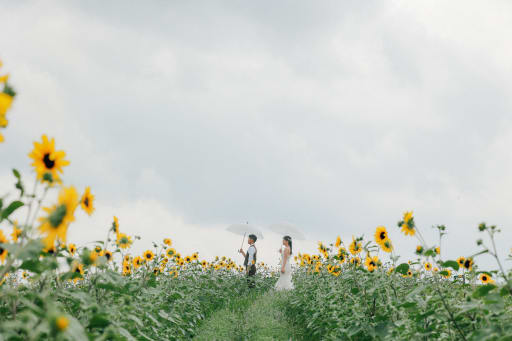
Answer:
x=285 y=279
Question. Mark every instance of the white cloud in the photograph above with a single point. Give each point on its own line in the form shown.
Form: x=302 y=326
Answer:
x=338 y=117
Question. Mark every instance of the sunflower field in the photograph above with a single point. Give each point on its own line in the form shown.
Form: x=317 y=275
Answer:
x=351 y=289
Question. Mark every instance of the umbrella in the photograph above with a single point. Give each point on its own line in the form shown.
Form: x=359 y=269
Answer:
x=287 y=229
x=245 y=229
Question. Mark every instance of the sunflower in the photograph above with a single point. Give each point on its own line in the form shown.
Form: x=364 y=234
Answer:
x=461 y=261
x=448 y=273
x=407 y=224
x=181 y=262
x=485 y=278
x=318 y=266
x=124 y=241
x=156 y=271
x=87 y=201
x=97 y=249
x=178 y=256
x=93 y=256
x=381 y=235
x=195 y=256
x=47 y=160
x=168 y=241
x=321 y=247
x=127 y=269
x=428 y=266
x=127 y=258
x=419 y=249
x=51 y=250
x=5 y=104
x=188 y=259
x=24 y=274
x=355 y=261
x=72 y=249
x=170 y=252
x=16 y=232
x=436 y=269
x=77 y=268
x=55 y=225
x=355 y=247
x=164 y=260
x=173 y=273
x=371 y=263
x=409 y=274
x=387 y=246
x=204 y=264
x=137 y=262
x=468 y=264
x=3 y=251
x=342 y=257
x=148 y=255
x=108 y=255
x=115 y=225
x=438 y=250
x=338 y=242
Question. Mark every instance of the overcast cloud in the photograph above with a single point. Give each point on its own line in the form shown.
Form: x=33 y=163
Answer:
x=185 y=117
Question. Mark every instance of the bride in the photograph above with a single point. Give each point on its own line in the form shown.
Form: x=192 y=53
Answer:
x=285 y=278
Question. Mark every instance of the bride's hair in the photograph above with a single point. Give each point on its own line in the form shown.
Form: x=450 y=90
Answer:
x=289 y=240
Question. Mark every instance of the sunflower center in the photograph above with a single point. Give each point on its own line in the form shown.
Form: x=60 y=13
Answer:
x=148 y=256
x=382 y=235
x=484 y=278
x=48 y=163
x=77 y=270
x=2 y=250
x=86 y=202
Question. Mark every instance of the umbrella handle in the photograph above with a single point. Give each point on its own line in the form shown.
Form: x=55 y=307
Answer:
x=243 y=240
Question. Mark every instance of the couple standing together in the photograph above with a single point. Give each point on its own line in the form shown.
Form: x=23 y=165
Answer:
x=285 y=275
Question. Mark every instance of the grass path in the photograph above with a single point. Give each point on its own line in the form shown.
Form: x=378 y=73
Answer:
x=252 y=317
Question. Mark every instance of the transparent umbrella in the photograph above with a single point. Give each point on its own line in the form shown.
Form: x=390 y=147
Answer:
x=245 y=230
x=287 y=229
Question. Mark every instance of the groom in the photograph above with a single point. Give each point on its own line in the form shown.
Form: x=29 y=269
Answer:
x=250 y=260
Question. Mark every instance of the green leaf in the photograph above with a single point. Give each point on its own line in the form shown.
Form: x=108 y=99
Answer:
x=483 y=290
x=13 y=206
x=402 y=268
x=99 y=321
x=409 y=304
x=451 y=264
x=33 y=265
x=16 y=173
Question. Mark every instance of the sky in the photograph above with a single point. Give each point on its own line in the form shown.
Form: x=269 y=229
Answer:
x=186 y=117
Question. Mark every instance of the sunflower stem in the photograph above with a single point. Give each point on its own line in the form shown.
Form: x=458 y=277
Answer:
x=452 y=318
x=495 y=255
x=39 y=205
x=30 y=203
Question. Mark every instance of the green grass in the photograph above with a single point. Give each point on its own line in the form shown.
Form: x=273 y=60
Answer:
x=252 y=317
